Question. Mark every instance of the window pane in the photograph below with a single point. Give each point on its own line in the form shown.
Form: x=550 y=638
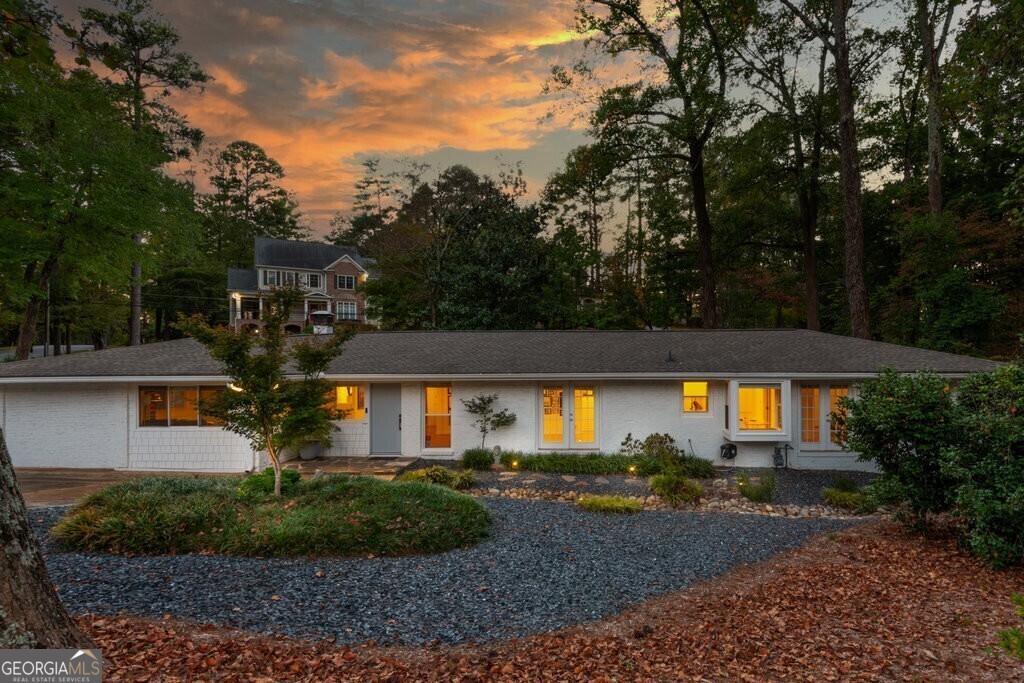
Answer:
x=760 y=408
x=437 y=427
x=810 y=415
x=553 y=420
x=209 y=395
x=184 y=406
x=695 y=397
x=583 y=410
x=835 y=393
x=152 y=406
x=350 y=399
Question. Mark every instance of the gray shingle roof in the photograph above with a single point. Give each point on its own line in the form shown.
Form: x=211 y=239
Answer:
x=242 y=280
x=555 y=353
x=304 y=255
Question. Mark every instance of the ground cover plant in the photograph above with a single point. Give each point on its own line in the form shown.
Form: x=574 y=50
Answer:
x=675 y=488
x=335 y=515
x=609 y=504
x=442 y=476
x=846 y=495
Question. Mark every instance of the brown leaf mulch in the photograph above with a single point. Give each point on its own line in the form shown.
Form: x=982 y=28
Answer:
x=866 y=604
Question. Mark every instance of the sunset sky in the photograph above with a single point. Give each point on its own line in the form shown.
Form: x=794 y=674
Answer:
x=322 y=84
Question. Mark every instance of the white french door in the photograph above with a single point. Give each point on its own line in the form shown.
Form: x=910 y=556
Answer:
x=568 y=416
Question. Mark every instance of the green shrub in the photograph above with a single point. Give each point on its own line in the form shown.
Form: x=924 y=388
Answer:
x=675 y=488
x=662 y=452
x=263 y=482
x=844 y=483
x=609 y=504
x=453 y=479
x=477 y=459
x=986 y=465
x=1012 y=639
x=335 y=515
x=854 y=501
x=760 y=492
x=597 y=463
x=903 y=424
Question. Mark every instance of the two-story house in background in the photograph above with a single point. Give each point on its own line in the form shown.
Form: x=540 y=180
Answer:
x=330 y=276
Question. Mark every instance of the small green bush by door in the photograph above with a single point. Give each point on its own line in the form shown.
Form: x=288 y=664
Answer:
x=335 y=515
x=453 y=479
x=609 y=504
x=477 y=459
x=760 y=492
x=675 y=488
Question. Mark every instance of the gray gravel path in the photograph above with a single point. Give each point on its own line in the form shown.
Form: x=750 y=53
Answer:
x=547 y=566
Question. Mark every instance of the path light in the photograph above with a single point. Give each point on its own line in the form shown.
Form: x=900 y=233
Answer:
x=632 y=469
x=515 y=464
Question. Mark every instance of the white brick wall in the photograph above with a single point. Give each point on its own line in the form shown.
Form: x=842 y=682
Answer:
x=350 y=437
x=66 y=425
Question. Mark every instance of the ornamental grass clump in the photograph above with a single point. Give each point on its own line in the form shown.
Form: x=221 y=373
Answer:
x=761 y=491
x=674 y=488
x=609 y=504
x=477 y=459
x=443 y=476
x=335 y=515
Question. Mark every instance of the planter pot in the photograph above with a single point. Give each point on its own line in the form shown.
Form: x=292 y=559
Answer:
x=311 y=451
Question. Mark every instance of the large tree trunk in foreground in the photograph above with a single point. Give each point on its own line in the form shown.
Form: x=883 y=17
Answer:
x=31 y=613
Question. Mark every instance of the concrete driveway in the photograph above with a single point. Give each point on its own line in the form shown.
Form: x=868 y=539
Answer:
x=46 y=486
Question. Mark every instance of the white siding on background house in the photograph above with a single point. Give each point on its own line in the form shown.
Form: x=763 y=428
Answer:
x=66 y=425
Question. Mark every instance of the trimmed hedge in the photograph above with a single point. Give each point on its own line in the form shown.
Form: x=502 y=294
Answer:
x=597 y=463
x=477 y=459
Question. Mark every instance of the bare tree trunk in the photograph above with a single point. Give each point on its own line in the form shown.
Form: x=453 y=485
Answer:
x=31 y=613
x=705 y=258
x=850 y=181
x=29 y=320
x=931 y=51
x=135 y=315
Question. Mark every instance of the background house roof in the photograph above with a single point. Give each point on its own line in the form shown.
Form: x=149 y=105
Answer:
x=242 y=280
x=301 y=255
x=531 y=353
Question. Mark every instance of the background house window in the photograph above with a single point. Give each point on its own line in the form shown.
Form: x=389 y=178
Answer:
x=695 y=397
x=437 y=417
x=350 y=399
x=346 y=282
x=290 y=277
x=553 y=420
x=347 y=310
x=314 y=280
x=760 y=407
x=271 y=278
x=810 y=415
x=176 y=406
x=835 y=393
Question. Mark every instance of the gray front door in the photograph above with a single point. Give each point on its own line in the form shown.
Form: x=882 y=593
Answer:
x=386 y=418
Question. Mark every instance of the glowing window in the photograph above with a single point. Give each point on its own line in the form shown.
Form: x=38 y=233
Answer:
x=583 y=412
x=760 y=407
x=810 y=415
x=208 y=395
x=349 y=400
x=152 y=406
x=437 y=427
x=695 y=397
x=553 y=415
x=176 y=406
x=835 y=393
x=184 y=408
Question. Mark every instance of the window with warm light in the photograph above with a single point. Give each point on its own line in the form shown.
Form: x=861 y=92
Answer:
x=810 y=414
x=583 y=415
x=176 y=406
x=553 y=418
x=437 y=417
x=695 y=397
x=350 y=401
x=760 y=407
x=835 y=394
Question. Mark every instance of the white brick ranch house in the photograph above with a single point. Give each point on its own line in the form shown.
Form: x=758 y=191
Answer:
x=759 y=390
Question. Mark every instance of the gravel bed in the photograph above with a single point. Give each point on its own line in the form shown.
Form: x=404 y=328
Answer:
x=803 y=487
x=546 y=566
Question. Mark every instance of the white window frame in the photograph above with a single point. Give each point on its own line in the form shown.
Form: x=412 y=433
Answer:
x=694 y=414
x=271 y=278
x=198 y=388
x=341 y=279
x=733 y=431
x=824 y=442
x=568 y=441
x=360 y=393
x=424 y=415
x=344 y=306
x=309 y=280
